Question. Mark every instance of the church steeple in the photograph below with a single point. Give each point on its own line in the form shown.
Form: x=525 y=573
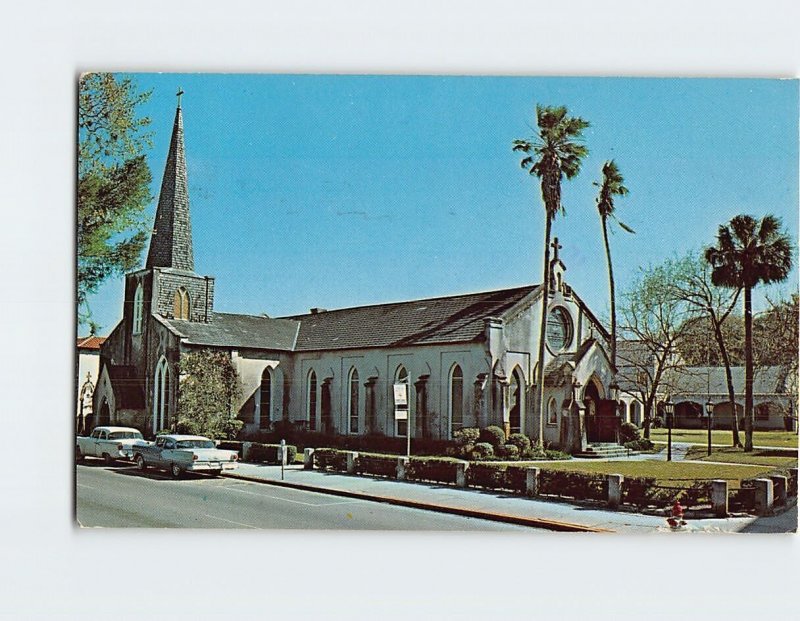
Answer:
x=171 y=242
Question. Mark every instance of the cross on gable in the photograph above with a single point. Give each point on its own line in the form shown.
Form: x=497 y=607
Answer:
x=556 y=247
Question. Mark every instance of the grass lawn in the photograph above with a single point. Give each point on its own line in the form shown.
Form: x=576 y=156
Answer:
x=668 y=474
x=760 y=457
x=722 y=436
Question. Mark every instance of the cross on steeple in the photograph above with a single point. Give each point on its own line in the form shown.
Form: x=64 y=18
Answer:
x=179 y=93
x=556 y=247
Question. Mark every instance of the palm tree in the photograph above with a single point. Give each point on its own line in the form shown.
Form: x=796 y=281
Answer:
x=748 y=253
x=611 y=186
x=553 y=153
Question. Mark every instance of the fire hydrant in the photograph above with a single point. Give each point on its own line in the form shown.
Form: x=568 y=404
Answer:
x=676 y=520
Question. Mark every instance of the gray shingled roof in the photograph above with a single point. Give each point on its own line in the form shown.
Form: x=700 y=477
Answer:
x=454 y=319
x=702 y=380
x=243 y=331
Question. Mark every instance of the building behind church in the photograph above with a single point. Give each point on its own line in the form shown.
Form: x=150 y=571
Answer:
x=467 y=360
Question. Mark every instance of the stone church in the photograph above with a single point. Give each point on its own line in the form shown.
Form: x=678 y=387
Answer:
x=466 y=360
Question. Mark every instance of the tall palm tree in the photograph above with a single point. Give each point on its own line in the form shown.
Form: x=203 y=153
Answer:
x=750 y=252
x=611 y=186
x=553 y=153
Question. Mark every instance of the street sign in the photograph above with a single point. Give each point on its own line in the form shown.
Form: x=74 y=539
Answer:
x=400 y=414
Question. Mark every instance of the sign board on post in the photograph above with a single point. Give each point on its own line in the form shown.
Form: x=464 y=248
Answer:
x=400 y=414
x=400 y=396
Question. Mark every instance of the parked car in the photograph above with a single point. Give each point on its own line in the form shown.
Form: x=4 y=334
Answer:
x=110 y=443
x=180 y=453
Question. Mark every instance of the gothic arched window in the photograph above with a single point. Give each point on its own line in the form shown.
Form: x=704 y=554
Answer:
x=552 y=412
x=161 y=396
x=311 y=401
x=138 y=309
x=456 y=399
x=352 y=401
x=265 y=399
x=180 y=306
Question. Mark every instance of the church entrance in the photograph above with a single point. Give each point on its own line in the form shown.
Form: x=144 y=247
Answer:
x=601 y=416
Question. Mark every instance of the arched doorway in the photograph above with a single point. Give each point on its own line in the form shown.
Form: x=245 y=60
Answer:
x=602 y=422
x=105 y=414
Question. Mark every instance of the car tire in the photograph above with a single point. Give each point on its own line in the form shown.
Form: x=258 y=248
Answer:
x=79 y=457
x=216 y=473
x=140 y=463
x=107 y=459
x=176 y=471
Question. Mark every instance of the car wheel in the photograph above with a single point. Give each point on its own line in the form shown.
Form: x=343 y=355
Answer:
x=107 y=459
x=79 y=456
x=216 y=473
x=176 y=471
x=140 y=463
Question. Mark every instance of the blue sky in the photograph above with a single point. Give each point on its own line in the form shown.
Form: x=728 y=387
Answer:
x=336 y=191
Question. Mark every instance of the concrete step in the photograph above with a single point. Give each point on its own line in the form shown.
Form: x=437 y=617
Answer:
x=604 y=450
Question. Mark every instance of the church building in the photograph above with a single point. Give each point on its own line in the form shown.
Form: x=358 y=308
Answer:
x=467 y=360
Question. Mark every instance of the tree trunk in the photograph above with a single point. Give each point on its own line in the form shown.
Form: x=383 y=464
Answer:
x=612 y=298
x=723 y=350
x=543 y=330
x=748 y=370
x=648 y=409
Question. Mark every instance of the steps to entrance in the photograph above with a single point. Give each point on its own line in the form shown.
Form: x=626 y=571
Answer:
x=605 y=450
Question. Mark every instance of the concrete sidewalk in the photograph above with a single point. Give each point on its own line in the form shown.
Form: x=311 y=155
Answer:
x=497 y=506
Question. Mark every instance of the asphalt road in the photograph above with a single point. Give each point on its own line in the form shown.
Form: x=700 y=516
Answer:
x=121 y=496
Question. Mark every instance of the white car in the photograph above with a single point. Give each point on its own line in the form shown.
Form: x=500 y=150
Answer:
x=110 y=443
x=182 y=453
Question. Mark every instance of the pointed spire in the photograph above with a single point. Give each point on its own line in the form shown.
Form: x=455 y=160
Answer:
x=171 y=242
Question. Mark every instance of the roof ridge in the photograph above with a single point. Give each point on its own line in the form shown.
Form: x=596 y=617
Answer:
x=433 y=299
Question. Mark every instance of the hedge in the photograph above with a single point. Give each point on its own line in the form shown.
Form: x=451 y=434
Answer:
x=232 y=445
x=330 y=459
x=497 y=476
x=578 y=485
x=377 y=465
x=269 y=453
x=436 y=469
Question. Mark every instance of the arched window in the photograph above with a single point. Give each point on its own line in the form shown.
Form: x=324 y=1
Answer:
x=265 y=399
x=552 y=412
x=138 y=309
x=311 y=401
x=401 y=425
x=456 y=399
x=180 y=306
x=515 y=403
x=161 y=388
x=352 y=401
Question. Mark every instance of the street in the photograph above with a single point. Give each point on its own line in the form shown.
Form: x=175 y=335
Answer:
x=121 y=496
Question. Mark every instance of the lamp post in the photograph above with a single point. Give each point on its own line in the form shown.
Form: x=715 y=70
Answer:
x=669 y=410
x=709 y=415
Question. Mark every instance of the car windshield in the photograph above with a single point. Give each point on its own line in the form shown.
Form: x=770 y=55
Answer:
x=125 y=435
x=189 y=444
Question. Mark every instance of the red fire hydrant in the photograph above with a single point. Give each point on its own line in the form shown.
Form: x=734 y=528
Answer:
x=676 y=520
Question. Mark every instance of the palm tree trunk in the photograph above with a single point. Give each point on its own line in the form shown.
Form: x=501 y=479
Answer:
x=748 y=370
x=612 y=297
x=723 y=350
x=543 y=329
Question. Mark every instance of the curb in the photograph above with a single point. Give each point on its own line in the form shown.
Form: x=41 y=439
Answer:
x=553 y=525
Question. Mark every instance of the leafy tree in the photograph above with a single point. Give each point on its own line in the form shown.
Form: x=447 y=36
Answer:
x=553 y=153
x=209 y=391
x=749 y=252
x=611 y=186
x=653 y=320
x=113 y=182
x=699 y=346
x=776 y=342
x=692 y=284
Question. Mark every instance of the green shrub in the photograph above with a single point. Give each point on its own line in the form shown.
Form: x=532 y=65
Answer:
x=556 y=455
x=269 y=453
x=482 y=450
x=578 y=485
x=437 y=469
x=468 y=435
x=511 y=452
x=642 y=444
x=378 y=465
x=232 y=445
x=628 y=432
x=521 y=441
x=493 y=435
x=330 y=459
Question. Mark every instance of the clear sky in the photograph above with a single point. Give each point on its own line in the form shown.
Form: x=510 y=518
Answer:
x=335 y=191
